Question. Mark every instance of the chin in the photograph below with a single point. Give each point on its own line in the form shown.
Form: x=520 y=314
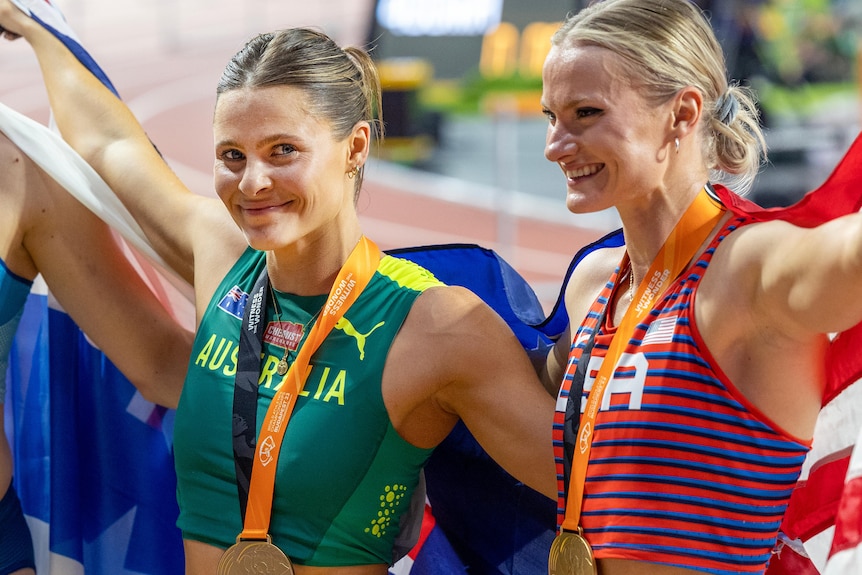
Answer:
x=261 y=242
x=577 y=204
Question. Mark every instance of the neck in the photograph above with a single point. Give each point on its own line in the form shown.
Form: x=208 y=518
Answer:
x=309 y=267
x=648 y=222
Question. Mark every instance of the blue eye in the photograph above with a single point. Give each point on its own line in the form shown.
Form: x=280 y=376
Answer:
x=284 y=149
x=232 y=155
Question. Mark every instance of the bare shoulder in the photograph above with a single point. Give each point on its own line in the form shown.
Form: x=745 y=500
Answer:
x=452 y=317
x=461 y=341
x=446 y=329
x=456 y=358
x=747 y=266
x=449 y=322
x=750 y=244
x=581 y=289
x=587 y=280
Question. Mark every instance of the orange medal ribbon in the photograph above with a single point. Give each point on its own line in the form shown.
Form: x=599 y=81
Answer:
x=681 y=245
x=352 y=279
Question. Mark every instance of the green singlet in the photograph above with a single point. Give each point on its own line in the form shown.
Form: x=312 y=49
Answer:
x=345 y=477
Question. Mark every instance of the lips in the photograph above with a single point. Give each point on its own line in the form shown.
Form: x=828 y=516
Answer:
x=264 y=207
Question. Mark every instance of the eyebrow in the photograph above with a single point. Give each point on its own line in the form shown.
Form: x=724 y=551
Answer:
x=567 y=104
x=267 y=140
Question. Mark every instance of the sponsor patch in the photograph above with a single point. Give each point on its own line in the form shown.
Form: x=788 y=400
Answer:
x=283 y=334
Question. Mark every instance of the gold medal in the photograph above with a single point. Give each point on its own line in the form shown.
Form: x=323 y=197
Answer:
x=282 y=366
x=571 y=555
x=254 y=557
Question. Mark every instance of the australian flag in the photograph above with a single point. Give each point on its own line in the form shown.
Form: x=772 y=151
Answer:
x=234 y=302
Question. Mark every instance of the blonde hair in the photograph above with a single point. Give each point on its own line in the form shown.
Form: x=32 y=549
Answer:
x=666 y=45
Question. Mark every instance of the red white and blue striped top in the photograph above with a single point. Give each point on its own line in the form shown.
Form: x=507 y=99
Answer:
x=683 y=470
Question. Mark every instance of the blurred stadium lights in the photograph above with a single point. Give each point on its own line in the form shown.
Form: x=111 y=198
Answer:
x=492 y=51
x=417 y=43
x=449 y=33
x=438 y=17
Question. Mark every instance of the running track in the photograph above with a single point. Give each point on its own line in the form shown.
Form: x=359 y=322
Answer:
x=165 y=59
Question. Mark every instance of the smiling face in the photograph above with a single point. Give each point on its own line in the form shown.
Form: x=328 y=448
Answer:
x=611 y=143
x=279 y=170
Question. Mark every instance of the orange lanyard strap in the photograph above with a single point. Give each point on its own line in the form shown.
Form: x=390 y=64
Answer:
x=681 y=245
x=352 y=279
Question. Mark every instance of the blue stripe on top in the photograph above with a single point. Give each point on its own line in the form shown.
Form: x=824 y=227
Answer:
x=682 y=472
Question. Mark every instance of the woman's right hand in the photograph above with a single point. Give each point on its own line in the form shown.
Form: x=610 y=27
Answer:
x=13 y=21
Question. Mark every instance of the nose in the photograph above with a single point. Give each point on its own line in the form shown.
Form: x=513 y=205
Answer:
x=559 y=143
x=255 y=177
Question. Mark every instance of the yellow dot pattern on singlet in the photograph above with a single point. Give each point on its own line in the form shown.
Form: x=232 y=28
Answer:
x=389 y=501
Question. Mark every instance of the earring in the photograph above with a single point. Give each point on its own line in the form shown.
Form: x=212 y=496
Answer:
x=352 y=173
x=676 y=144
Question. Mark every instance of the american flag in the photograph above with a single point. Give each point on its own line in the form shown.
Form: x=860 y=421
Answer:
x=660 y=331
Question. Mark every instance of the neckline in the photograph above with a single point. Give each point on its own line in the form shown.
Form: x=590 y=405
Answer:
x=291 y=304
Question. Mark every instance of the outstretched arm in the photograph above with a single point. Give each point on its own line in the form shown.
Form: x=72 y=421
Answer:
x=770 y=297
x=87 y=272
x=495 y=391
x=190 y=232
x=803 y=281
x=457 y=358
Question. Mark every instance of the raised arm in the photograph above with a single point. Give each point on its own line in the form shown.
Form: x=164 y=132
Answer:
x=765 y=307
x=188 y=230
x=802 y=281
x=86 y=271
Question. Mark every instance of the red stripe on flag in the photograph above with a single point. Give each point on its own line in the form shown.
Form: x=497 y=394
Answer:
x=428 y=524
x=786 y=561
x=814 y=502
x=837 y=196
x=848 y=522
x=844 y=362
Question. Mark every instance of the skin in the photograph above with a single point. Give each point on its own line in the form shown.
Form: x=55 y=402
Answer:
x=788 y=287
x=282 y=176
x=44 y=230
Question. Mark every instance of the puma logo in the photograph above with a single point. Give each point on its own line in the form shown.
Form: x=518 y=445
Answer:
x=344 y=325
